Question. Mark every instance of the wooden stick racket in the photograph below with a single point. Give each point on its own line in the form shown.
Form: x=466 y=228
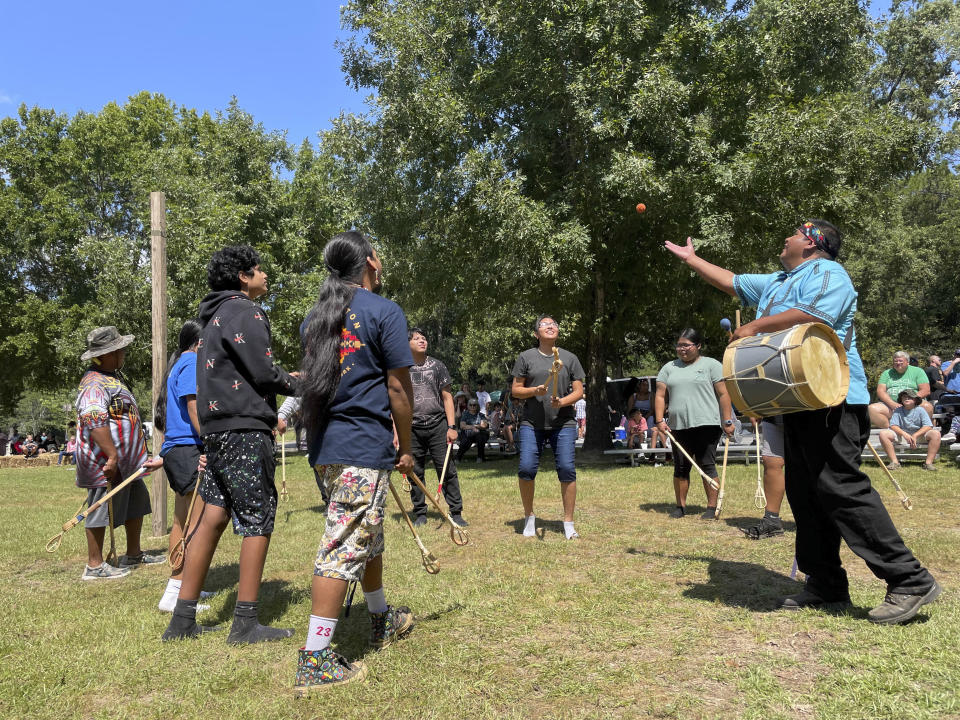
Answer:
x=430 y=563
x=904 y=500
x=54 y=543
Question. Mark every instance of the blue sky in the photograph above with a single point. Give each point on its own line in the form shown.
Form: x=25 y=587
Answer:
x=278 y=58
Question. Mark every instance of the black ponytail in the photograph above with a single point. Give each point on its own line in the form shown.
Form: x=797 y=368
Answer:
x=345 y=257
x=189 y=335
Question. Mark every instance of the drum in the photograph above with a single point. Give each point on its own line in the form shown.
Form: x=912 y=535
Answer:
x=801 y=368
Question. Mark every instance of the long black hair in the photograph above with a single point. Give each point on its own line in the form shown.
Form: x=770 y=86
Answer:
x=189 y=335
x=345 y=257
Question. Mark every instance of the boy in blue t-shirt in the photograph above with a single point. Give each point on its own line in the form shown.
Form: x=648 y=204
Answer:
x=913 y=426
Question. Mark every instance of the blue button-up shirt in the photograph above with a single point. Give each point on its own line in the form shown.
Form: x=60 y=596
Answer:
x=820 y=288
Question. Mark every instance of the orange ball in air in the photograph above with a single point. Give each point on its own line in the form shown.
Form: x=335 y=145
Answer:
x=641 y=207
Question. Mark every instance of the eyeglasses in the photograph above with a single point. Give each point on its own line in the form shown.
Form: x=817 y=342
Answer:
x=685 y=346
x=548 y=324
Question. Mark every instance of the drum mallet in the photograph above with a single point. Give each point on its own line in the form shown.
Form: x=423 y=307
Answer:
x=904 y=500
x=706 y=478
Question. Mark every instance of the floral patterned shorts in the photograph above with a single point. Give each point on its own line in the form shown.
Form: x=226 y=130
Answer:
x=354 y=530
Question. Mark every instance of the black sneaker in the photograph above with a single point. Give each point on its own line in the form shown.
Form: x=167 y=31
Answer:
x=677 y=512
x=766 y=528
x=898 y=608
x=806 y=599
x=420 y=521
x=709 y=514
x=458 y=519
x=319 y=669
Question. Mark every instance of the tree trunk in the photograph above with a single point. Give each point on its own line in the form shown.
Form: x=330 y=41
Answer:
x=598 y=432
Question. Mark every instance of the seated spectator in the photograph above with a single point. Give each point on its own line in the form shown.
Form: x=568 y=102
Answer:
x=951 y=381
x=460 y=401
x=496 y=418
x=641 y=398
x=902 y=376
x=473 y=429
x=913 y=426
x=511 y=420
x=935 y=378
x=31 y=448
x=636 y=429
x=69 y=452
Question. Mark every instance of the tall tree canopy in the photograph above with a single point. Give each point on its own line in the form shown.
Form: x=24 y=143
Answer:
x=508 y=144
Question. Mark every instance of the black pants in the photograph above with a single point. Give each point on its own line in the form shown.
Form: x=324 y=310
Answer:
x=433 y=441
x=468 y=438
x=832 y=498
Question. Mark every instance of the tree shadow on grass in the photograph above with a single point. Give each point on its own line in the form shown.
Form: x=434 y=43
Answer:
x=352 y=637
x=736 y=584
x=543 y=527
x=666 y=508
x=750 y=520
x=272 y=602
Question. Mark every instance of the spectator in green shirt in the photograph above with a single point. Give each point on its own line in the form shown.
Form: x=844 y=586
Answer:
x=902 y=376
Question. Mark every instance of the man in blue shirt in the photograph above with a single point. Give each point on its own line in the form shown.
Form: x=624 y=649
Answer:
x=830 y=496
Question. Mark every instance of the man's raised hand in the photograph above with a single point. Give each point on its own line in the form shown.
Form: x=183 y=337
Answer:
x=684 y=252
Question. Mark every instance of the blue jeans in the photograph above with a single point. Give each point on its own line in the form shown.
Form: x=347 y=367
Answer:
x=531 y=442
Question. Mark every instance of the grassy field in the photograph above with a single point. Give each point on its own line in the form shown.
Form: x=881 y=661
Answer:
x=642 y=617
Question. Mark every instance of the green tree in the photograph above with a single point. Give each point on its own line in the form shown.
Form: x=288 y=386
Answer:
x=508 y=144
x=74 y=224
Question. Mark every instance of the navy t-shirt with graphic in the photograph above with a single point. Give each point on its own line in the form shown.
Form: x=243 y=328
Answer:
x=360 y=428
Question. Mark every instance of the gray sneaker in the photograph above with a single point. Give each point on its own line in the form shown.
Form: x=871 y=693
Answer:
x=898 y=608
x=132 y=561
x=930 y=467
x=103 y=572
x=948 y=437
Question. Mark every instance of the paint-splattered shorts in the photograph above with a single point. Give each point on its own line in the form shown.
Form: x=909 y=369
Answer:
x=239 y=478
x=354 y=531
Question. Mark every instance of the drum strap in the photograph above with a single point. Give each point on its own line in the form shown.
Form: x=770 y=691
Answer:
x=848 y=340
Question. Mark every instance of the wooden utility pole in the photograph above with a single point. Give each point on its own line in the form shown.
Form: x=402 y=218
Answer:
x=158 y=279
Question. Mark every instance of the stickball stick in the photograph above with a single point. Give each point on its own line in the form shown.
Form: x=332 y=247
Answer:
x=760 y=497
x=723 y=478
x=176 y=553
x=706 y=478
x=283 y=467
x=457 y=533
x=904 y=500
x=54 y=542
x=112 y=555
x=443 y=473
x=430 y=563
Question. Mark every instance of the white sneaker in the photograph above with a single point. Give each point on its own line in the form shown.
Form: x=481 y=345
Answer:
x=949 y=437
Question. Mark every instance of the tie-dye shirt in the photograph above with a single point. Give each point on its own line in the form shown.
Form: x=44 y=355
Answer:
x=103 y=400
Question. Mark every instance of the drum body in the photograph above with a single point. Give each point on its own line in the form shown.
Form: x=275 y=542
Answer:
x=801 y=368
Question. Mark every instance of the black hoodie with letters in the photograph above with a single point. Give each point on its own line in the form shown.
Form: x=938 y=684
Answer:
x=237 y=380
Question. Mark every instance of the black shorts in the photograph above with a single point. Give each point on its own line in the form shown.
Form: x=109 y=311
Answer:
x=701 y=443
x=180 y=464
x=239 y=478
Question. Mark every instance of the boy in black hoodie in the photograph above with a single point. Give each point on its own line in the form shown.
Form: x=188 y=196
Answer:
x=237 y=408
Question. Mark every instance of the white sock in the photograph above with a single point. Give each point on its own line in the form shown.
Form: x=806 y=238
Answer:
x=376 y=602
x=320 y=633
x=530 y=529
x=568 y=529
x=169 y=599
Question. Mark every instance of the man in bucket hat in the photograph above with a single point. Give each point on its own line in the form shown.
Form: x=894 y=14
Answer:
x=111 y=447
x=910 y=426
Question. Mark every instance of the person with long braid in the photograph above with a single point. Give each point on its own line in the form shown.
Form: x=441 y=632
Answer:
x=356 y=390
